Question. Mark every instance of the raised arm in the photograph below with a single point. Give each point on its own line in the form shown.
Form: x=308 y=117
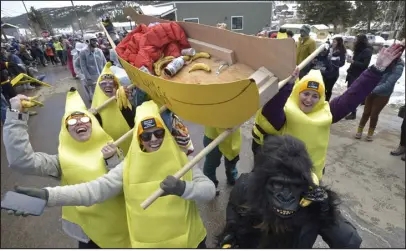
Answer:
x=90 y=193
x=364 y=84
x=20 y=155
x=390 y=81
x=273 y=109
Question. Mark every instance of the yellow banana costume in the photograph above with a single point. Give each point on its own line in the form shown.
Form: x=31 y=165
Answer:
x=312 y=128
x=231 y=146
x=105 y=223
x=171 y=222
x=282 y=35
x=114 y=124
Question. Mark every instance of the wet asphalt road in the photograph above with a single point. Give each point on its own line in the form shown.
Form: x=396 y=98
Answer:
x=46 y=232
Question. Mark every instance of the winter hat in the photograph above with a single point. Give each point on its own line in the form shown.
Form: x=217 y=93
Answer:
x=147 y=123
x=313 y=81
x=306 y=28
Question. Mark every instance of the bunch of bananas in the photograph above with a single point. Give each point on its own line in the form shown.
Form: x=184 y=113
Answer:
x=122 y=99
x=158 y=65
x=31 y=102
x=200 y=66
x=201 y=55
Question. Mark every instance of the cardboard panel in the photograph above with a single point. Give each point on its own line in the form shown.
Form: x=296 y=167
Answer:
x=276 y=55
x=214 y=50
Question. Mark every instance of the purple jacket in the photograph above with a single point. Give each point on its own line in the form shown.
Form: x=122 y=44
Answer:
x=339 y=106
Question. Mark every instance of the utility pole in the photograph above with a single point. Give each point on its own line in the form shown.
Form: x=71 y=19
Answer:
x=77 y=17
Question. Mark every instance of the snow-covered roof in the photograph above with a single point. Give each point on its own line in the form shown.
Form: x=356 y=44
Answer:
x=294 y=26
x=7 y=25
x=150 y=10
x=320 y=26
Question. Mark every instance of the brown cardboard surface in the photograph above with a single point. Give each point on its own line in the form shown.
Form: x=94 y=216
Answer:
x=228 y=74
x=214 y=50
x=276 y=55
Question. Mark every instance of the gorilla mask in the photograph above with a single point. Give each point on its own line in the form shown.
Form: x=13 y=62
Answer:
x=281 y=178
x=284 y=193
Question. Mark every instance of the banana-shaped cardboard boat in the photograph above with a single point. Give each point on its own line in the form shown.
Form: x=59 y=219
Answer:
x=221 y=100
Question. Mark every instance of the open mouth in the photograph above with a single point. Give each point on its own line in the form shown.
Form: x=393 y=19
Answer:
x=283 y=212
x=307 y=105
x=155 y=145
x=108 y=90
x=81 y=130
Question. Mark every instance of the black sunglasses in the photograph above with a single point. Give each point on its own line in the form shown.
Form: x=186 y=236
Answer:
x=146 y=136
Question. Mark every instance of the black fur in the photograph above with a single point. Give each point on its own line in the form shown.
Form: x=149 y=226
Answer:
x=263 y=228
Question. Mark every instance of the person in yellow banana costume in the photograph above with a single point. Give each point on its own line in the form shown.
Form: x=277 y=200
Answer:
x=300 y=109
x=116 y=120
x=79 y=159
x=229 y=148
x=173 y=221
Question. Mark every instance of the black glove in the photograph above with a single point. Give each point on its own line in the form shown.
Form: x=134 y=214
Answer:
x=320 y=195
x=33 y=192
x=229 y=241
x=173 y=186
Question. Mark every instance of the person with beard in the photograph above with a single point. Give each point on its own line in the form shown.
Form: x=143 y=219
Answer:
x=300 y=109
x=92 y=62
x=359 y=63
x=380 y=96
x=281 y=205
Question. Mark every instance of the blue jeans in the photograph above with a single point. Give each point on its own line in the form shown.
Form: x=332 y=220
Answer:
x=213 y=160
x=4 y=105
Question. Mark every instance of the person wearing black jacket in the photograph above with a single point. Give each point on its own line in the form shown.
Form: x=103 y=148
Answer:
x=336 y=57
x=281 y=205
x=359 y=62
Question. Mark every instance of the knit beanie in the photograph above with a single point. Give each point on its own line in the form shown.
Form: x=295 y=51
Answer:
x=306 y=28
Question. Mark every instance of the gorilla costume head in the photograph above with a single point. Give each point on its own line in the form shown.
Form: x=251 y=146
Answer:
x=278 y=198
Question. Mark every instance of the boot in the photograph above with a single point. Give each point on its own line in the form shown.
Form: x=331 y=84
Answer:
x=231 y=173
x=399 y=151
x=351 y=116
x=370 y=136
x=358 y=135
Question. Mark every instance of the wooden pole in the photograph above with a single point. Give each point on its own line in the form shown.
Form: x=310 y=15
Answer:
x=145 y=204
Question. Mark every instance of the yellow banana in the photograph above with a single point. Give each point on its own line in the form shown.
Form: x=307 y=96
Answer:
x=160 y=63
x=200 y=66
x=31 y=102
x=119 y=100
x=201 y=55
x=186 y=58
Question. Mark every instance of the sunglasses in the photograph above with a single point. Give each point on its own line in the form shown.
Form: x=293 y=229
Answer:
x=146 y=136
x=74 y=121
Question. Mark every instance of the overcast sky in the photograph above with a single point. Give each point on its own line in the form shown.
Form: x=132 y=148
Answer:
x=15 y=8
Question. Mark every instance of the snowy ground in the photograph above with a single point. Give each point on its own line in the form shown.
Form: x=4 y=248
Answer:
x=398 y=97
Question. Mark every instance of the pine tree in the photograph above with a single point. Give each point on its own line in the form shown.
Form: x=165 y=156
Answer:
x=326 y=12
x=368 y=11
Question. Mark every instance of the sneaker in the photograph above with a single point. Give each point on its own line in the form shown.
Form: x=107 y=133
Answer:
x=399 y=151
x=358 y=135
x=369 y=138
x=351 y=116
